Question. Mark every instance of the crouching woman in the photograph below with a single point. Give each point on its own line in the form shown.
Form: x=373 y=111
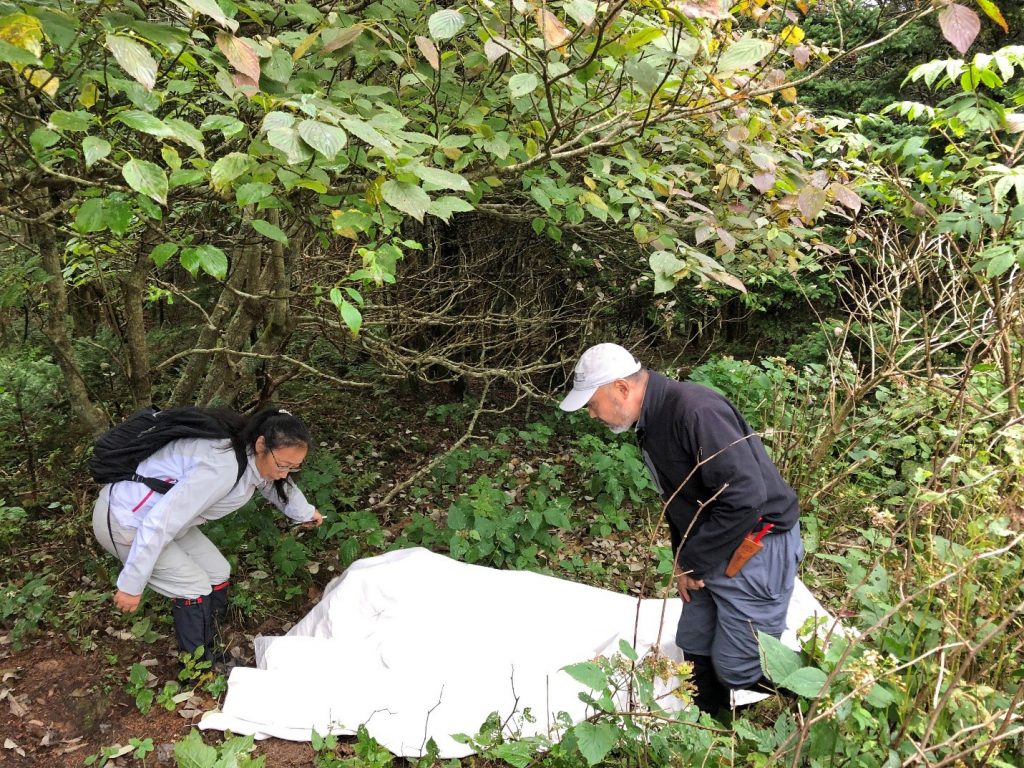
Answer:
x=157 y=536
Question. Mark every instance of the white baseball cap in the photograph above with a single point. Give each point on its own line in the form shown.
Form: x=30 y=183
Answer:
x=599 y=365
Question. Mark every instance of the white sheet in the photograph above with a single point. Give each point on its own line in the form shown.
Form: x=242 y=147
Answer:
x=416 y=645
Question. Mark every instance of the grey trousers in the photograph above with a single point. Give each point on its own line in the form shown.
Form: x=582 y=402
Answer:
x=189 y=566
x=722 y=620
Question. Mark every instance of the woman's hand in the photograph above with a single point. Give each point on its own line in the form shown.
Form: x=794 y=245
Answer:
x=127 y=603
x=315 y=521
x=687 y=585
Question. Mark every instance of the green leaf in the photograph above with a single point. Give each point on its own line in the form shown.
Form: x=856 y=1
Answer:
x=595 y=740
x=145 y=122
x=75 y=122
x=287 y=140
x=134 y=58
x=408 y=198
x=192 y=752
x=806 y=681
x=209 y=258
x=161 y=253
x=18 y=57
x=442 y=179
x=267 y=229
x=665 y=265
x=444 y=207
x=445 y=24
x=1000 y=262
x=213 y=10
x=353 y=317
x=522 y=84
x=229 y=168
x=588 y=673
x=744 y=54
x=279 y=66
x=43 y=138
x=369 y=134
x=227 y=125
x=778 y=661
x=91 y=216
x=187 y=134
x=627 y=650
x=147 y=178
x=326 y=139
x=119 y=216
x=187 y=177
x=253 y=192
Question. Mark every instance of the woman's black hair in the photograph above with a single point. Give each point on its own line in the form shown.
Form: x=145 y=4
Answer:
x=277 y=427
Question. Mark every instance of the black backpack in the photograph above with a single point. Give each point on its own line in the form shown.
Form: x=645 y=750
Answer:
x=118 y=452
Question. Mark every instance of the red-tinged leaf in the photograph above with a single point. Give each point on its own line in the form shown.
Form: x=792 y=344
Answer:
x=992 y=11
x=811 y=201
x=554 y=32
x=245 y=84
x=334 y=41
x=846 y=197
x=763 y=181
x=801 y=56
x=960 y=25
x=240 y=55
x=704 y=9
x=429 y=51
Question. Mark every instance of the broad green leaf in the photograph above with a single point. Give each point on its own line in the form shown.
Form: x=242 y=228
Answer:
x=441 y=178
x=806 y=681
x=778 y=661
x=229 y=168
x=281 y=120
x=94 y=149
x=253 y=192
x=279 y=66
x=118 y=215
x=522 y=84
x=363 y=130
x=187 y=134
x=408 y=198
x=287 y=140
x=192 y=751
x=643 y=37
x=209 y=258
x=519 y=753
x=43 y=138
x=227 y=125
x=1001 y=260
x=595 y=740
x=627 y=650
x=743 y=54
x=186 y=177
x=213 y=10
x=588 y=673
x=171 y=157
x=267 y=229
x=18 y=57
x=161 y=253
x=444 y=207
x=145 y=122
x=22 y=31
x=134 y=58
x=74 y=122
x=445 y=24
x=147 y=178
x=326 y=139
x=353 y=317
x=91 y=216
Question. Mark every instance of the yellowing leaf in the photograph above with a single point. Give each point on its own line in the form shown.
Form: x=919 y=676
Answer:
x=90 y=93
x=43 y=80
x=789 y=94
x=792 y=35
x=992 y=11
x=554 y=32
x=305 y=45
x=591 y=184
x=23 y=31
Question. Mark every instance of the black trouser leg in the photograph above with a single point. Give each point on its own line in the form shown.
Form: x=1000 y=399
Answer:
x=219 y=606
x=193 y=625
x=712 y=696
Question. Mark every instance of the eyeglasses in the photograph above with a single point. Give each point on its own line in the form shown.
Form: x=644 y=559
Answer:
x=284 y=467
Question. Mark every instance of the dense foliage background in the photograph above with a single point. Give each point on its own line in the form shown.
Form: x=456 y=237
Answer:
x=405 y=220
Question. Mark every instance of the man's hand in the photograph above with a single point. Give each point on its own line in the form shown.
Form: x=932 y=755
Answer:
x=315 y=521
x=687 y=585
x=127 y=603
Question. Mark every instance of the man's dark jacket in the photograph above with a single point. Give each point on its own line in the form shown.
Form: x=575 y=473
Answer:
x=682 y=424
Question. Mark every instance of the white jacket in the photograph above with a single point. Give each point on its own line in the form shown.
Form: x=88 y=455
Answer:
x=205 y=471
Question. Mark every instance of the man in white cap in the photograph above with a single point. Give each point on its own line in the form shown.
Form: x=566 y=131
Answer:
x=723 y=493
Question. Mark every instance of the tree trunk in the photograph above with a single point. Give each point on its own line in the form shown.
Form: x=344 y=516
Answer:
x=133 y=286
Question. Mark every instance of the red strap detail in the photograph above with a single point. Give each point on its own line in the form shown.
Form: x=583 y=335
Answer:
x=197 y=601
x=763 y=531
x=222 y=585
x=145 y=498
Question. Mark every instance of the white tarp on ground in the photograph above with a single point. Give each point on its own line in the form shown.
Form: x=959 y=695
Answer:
x=416 y=645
